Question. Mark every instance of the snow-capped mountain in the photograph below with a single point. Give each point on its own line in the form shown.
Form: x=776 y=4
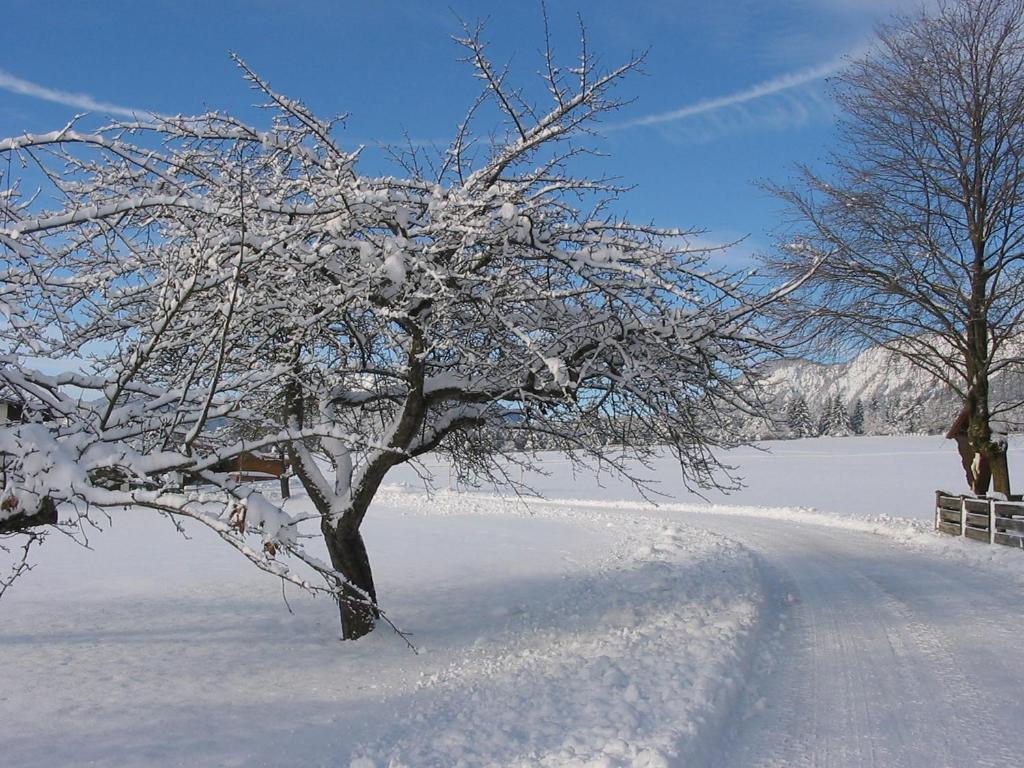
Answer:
x=895 y=396
x=876 y=392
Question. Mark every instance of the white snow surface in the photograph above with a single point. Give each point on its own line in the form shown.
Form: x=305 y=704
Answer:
x=812 y=619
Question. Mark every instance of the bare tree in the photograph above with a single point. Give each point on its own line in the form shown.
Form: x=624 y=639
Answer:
x=920 y=225
x=219 y=281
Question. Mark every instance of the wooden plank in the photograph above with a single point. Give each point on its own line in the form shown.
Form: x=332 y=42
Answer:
x=976 y=534
x=1009 y=540
x=950 y=528
x=1010 y=524
x=977 y=521
x=1009 y=509
x=949 y=516
x=977 y=505
x=948 y=502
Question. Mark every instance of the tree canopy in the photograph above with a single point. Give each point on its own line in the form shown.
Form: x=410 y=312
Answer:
x=228 y=289
x=919 y=227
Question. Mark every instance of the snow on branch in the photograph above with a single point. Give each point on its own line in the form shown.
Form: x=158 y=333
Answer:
x=216 y=290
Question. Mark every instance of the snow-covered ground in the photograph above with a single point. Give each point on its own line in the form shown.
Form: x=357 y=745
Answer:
x=590 y=629
x=893 y=475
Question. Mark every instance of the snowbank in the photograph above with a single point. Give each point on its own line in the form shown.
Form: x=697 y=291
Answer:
x=548 y=635
x=912 y=533
x=637 y=664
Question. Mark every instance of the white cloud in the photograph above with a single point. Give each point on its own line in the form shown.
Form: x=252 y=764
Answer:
x=12 y=84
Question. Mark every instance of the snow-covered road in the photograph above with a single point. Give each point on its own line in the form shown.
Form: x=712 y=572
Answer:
x=880 y=656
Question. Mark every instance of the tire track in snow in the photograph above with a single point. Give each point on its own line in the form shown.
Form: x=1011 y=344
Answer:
x=961 y=697
x=879 y=665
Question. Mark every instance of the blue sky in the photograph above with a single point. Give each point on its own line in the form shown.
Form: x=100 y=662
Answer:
x=731 y=92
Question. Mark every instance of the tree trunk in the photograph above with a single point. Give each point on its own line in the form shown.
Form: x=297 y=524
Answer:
x=982 y=471
x=990 y=464
x=963 y=447
x=348 y=555
x=284 y=477
x=1000 y=469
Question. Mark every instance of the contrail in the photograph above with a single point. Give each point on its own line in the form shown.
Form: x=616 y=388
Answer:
x=9 y=82
x=767 y=88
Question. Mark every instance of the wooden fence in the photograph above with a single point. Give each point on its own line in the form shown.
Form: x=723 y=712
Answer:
x=995 y=522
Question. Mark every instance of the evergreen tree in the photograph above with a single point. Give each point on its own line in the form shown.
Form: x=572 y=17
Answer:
x=838 y=419
x=893 y=416
x=913 y=417
x=798 y=416
x=825 y=419
x=857 y=417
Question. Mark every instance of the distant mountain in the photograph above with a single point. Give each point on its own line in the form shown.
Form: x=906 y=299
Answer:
x=876 y=392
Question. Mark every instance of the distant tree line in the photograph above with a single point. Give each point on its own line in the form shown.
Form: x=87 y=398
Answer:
x=793 y=416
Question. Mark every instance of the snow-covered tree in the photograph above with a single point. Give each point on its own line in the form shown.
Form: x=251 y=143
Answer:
x=798 y=417
x=875 y=416
x=216 y=280
x=857 y=417
x=894 y=410
x=836 y=418
x=824 y=419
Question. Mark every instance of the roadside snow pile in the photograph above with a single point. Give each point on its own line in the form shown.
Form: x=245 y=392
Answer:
x=637 y=664
x=912 y=533
x=548 y=636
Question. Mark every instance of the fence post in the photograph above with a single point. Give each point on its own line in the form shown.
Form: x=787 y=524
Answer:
x=991 y=521
x=938 y=495
x=963 y=515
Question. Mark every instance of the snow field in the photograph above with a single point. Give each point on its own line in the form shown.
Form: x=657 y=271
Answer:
x=871 y=484
x=863 y=476
x=553 y=636
x=589 y=629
